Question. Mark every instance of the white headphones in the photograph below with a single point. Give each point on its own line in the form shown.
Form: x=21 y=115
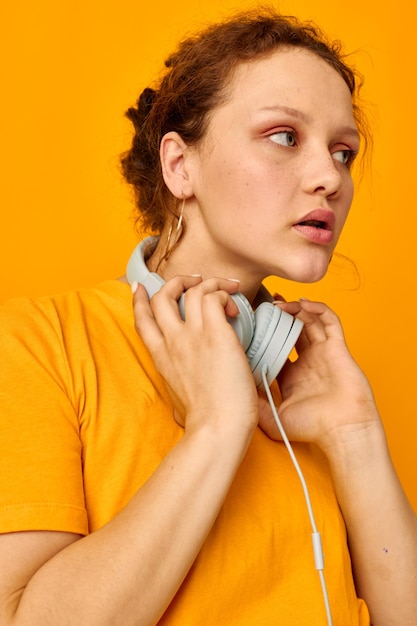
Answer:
x=267 y=334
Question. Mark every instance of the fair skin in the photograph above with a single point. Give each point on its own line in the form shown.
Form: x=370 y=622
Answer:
x=270 y=132
x=248 y=188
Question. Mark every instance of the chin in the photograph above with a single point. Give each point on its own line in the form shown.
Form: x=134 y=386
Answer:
x=311 y=273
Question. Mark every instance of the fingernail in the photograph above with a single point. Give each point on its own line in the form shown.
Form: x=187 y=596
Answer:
x=134 y=286
x=234 y=280
x=303 y=299
x=196 y=275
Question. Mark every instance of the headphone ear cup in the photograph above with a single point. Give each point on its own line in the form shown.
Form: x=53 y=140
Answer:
x=266 y=320
x=244 y=323
x=275 y=335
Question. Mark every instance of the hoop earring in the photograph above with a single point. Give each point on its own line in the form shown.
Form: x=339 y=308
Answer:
x=178 y=231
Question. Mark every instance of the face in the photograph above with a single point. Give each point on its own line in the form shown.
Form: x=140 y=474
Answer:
x=271 y=181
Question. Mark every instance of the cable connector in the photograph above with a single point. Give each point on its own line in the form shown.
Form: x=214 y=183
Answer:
x=318 y=551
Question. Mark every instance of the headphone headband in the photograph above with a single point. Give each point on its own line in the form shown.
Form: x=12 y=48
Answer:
x=136 y=268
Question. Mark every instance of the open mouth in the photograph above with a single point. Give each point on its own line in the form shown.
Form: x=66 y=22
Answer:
x=315 y=224
x=316 y=230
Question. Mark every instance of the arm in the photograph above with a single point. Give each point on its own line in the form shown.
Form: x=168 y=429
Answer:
x=327 y=399
x=128 y=571
x=382 y=528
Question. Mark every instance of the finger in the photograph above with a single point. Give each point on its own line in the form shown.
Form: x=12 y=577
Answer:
x=313 y=330
x=289 y=307
x=321 y=316
x=278 y=297
x=164 y=303
x=145 y=323
x=165 y=307
x=173 y=289
x=213 y=314
x=225 y=288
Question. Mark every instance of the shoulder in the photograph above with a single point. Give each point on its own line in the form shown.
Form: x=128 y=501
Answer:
x=57 y=312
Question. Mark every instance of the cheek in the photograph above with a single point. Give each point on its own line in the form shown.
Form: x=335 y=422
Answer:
x=345 y=205
x=250 y=187
x=349 y=196
x=232 y=184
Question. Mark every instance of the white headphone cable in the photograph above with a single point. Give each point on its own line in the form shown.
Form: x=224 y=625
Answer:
x=317 y=546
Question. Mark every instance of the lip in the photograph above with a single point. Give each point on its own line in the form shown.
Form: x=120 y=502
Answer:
x=317 y=226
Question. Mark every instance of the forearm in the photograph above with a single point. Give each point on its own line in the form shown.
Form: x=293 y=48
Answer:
x=128 y=572
x=382 y=528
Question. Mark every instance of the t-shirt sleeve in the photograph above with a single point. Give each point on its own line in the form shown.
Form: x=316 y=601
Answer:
x=40 y=448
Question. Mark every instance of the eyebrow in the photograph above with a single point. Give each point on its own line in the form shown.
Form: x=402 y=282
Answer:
x=345 y=130
x=294 y=112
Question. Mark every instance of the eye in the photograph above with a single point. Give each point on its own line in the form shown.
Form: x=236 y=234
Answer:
x=344 y=156
x=284 y=138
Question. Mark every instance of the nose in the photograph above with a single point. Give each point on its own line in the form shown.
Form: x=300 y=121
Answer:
x=322 y=174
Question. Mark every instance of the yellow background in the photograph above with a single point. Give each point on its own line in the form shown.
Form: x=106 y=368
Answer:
x=71 y=68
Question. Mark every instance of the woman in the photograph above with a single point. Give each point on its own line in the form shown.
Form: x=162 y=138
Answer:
x=145 y=480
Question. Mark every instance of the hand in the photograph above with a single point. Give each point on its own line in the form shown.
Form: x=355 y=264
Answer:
x=325 y=395
x=201 y=359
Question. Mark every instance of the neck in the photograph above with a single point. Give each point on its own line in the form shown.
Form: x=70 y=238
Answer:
x=187 y=258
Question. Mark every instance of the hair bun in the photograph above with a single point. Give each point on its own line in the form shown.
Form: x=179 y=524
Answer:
x=137 y=115
x=146 y=100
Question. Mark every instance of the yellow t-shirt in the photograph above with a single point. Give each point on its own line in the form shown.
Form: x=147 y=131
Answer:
x=86 y=419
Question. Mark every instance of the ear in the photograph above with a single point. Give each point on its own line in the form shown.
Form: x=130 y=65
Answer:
x=173 y=155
